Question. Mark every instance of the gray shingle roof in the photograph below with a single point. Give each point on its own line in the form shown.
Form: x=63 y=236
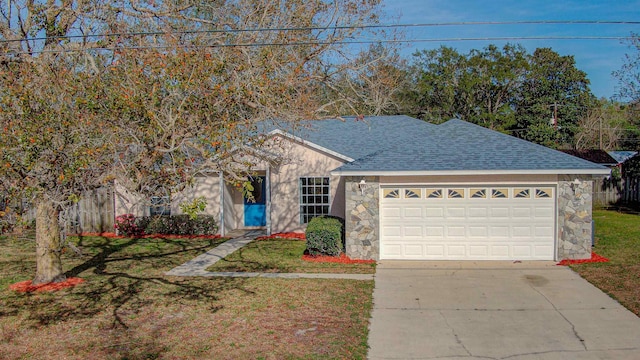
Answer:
x=388 y=144
x=358 y=138
x=622 y=156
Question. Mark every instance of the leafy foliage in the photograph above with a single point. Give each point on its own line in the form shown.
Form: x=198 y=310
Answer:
x=324 y=236
x=554 y=88
x=193 y=208
x=177 y=93
x=629 y=75
x=178 y=225
x=478 y=87
x=126 y=225
x=504 y=89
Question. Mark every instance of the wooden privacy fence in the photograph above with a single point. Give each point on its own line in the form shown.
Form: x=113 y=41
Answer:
x=93 y=213
x=611 y=191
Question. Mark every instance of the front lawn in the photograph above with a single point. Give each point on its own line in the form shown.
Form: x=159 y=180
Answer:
x=128 y=309
x=617 y=237
x=282 y=256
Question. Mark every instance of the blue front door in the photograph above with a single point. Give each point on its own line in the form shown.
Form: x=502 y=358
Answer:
x=255 y=212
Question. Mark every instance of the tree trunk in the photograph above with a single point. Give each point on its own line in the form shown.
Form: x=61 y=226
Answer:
x=48 y=244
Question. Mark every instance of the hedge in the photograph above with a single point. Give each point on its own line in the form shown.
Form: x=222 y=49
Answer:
x=129 y=225
x=324 y=236
x=178 y=225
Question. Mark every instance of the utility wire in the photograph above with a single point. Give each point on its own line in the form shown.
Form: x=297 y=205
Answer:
x=336 y=27
x=319 y=42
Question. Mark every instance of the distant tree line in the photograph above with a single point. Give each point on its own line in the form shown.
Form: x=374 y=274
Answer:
x=541 y=96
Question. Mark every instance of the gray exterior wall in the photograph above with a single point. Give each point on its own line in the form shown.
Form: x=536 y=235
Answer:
x=574 y=218
x=362 y=218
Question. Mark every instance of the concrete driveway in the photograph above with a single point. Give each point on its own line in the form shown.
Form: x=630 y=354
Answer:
x=495 y=310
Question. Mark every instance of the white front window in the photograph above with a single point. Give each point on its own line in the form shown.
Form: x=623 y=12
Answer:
x=314 y=198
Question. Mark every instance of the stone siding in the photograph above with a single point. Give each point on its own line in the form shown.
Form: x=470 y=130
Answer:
x=362 y=218
x=574 y=218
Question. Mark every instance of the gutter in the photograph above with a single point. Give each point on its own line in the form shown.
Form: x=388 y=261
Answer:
x=603 y=171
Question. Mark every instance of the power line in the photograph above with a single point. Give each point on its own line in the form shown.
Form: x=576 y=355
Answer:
x=339 y=42
x=338 y=27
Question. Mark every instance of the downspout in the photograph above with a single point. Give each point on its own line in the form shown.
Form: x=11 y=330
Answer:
x=268 y=198
x=222 y=227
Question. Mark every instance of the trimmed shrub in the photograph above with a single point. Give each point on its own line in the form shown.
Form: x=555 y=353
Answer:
x=205 y=225
x=126 y=225
x=324 y=236
x=178 y=225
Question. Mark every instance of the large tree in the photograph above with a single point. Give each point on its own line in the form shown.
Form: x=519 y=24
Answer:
x=503 y=89
x=372 y=84
x=479 y=87
x=153 y=93
x=628 y=75
x=628 y=92
x=603 y=127
x=554 y=97
x=435 y=84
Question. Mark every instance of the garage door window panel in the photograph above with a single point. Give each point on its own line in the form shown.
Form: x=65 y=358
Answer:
x=391 y=193
x=455 y=193
x=412 y=193
x=434 y=193
x=478 y=193
x=520 y=193
x=500 y=193
x=544 y=193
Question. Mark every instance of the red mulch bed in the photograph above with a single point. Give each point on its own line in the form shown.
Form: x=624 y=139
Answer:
x=595 y=258
x=25 y=286
x=342 y=259
x=284 y=235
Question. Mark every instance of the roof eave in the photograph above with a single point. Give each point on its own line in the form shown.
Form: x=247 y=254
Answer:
x=311 y=145
x=603 y=171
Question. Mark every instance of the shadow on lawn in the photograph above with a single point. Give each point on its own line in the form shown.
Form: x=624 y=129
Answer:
x=122 y=282
x=624 y=207
x=242 y=264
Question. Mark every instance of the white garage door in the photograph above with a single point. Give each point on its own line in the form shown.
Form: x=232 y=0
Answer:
x=467 y=222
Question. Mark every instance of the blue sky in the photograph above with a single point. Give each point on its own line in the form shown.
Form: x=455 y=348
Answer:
x=598 y=58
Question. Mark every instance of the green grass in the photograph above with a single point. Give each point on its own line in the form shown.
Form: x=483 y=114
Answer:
x=282 y=256
x=617 y=237
x=128 y=309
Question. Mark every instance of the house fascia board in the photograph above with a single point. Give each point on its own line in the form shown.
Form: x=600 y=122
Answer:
x=311 y=145
x=603 y=171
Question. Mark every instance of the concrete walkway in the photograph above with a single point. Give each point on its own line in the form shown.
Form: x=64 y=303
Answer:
x=198 y=266
x=495 y=310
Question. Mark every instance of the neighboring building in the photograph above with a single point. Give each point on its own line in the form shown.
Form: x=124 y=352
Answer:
x=597 y=156
x=622 y=156
x=623 y=185
x=408 y=189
